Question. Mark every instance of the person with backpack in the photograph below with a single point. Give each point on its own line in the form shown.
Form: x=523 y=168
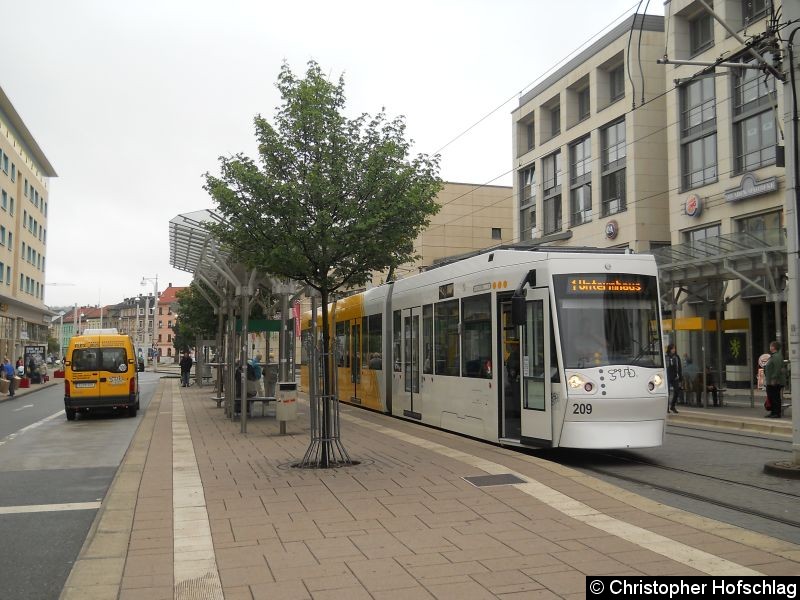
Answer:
x=775 y=376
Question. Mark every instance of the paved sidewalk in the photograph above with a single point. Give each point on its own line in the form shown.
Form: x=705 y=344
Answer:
x=199 y=510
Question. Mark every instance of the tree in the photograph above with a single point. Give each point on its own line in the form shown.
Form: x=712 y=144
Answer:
x=195 y=318
x=332 y=200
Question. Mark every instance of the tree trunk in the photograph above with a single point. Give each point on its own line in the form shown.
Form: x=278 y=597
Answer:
x=327 y=365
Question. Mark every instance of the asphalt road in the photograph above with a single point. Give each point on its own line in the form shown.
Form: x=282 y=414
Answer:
x=53 y=476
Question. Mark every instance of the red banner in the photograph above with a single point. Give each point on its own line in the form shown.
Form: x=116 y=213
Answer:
x=296 y=311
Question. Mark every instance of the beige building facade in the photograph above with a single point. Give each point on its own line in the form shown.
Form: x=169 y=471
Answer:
x=727 y=187
x=590 y=147
x=24 y=201
x=472 y=217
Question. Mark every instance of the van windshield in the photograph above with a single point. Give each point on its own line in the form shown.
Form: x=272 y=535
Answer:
x=113 y=360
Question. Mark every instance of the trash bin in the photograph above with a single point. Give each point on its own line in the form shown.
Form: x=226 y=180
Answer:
x=286 y=402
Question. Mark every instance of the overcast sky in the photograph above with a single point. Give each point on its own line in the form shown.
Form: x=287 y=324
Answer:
x=133 y=102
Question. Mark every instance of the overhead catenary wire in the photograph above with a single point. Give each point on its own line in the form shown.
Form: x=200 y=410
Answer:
x=596 y=161
x=628 y=54
x=658 y=130
x=535 y=81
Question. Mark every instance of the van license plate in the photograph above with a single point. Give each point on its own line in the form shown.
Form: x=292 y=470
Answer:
x=85 y=385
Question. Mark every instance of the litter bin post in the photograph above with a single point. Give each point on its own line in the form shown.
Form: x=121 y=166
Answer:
x=286 y=403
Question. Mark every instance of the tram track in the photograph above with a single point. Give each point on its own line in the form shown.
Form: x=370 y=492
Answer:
x=705 y=499
x=744 y=498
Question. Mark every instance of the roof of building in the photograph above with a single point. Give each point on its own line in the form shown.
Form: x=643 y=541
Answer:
x=25 y=136
x=646 y=22
x=169 y=295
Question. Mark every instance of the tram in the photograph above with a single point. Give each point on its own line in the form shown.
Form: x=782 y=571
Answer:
x=545 y=348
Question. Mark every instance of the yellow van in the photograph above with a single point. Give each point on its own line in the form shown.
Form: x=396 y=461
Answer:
x=100 y=372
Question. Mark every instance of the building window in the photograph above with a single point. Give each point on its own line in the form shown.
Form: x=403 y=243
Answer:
x=701 y=32
x=698 y=133
x=613 y=151
x=529 y=131
x=583 y=104
x=555 y=120
x=527 y=203
x=13 y=172
x=580 y=181
x=752 y=10
x=552 y=193
x=616 y=83
x=753 y=120
x=497 y=234
x=757 y=224
x=703 y=233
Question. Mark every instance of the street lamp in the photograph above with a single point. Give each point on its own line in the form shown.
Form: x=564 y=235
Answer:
x=146 y=320
x=61 y=335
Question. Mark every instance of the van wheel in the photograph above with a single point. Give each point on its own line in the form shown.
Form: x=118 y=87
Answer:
x=132 y=411
x=70 y=414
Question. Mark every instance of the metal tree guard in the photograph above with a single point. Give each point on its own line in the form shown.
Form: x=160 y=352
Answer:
x=325 y=450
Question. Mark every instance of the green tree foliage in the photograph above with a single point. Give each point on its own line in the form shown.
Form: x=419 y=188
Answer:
x=195 y=319
x=331 y=199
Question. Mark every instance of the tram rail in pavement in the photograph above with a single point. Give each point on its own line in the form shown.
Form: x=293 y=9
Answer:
x=200 y=510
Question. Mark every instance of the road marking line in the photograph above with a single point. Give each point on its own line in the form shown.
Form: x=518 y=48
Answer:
x=195 y=565
x=23 y=407
x=38 y=423
x=36 y=508
x=679 y=552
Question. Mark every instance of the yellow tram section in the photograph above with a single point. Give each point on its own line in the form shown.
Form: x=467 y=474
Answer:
x=356 y=383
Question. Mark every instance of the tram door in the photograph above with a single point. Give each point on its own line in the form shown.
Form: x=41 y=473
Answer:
x=511 y=372
x=355 y=364
x=412 y=321
x=536 y=376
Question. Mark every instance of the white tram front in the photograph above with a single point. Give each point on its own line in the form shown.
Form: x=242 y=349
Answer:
x=540 y=349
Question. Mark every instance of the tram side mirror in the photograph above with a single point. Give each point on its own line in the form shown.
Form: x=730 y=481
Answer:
x=518 y=310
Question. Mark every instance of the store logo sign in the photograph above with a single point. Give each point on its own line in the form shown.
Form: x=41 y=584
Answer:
x=750 y=187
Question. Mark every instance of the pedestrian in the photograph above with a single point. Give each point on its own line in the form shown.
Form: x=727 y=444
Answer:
x=8 y=369
x=186 y=367
x=775 y=375
x=674 y=377
x=254 y=374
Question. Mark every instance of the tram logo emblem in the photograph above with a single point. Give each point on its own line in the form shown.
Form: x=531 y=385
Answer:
x=627 y=372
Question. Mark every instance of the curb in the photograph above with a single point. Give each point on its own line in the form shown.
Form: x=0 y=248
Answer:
x=737 y=423
x=99 y=567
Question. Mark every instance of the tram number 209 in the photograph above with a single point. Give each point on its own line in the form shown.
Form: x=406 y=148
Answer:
x=581 y=409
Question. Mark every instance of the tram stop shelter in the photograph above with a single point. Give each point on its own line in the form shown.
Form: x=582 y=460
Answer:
x=194 y=249
x=700 y=272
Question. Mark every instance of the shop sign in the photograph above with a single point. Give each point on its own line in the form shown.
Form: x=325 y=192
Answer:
x=694 y=205
x=750 y=187
x=612 y=229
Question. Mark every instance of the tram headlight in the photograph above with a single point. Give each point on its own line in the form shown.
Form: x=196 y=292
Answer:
x=656 y=381
x=575 y=381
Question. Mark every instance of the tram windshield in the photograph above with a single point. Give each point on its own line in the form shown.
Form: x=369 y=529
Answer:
x=608 y=319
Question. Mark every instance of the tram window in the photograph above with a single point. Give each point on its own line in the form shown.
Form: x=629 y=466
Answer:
x=396 y=341
x=343 y=344
x=366 y=353
x=375 y=341
x=427 y=339
x=446 y=347
x=476 y=340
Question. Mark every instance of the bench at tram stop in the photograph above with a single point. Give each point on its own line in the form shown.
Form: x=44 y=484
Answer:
x=251 y=400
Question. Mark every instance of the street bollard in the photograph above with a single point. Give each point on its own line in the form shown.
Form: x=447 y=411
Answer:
x=286 y=404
